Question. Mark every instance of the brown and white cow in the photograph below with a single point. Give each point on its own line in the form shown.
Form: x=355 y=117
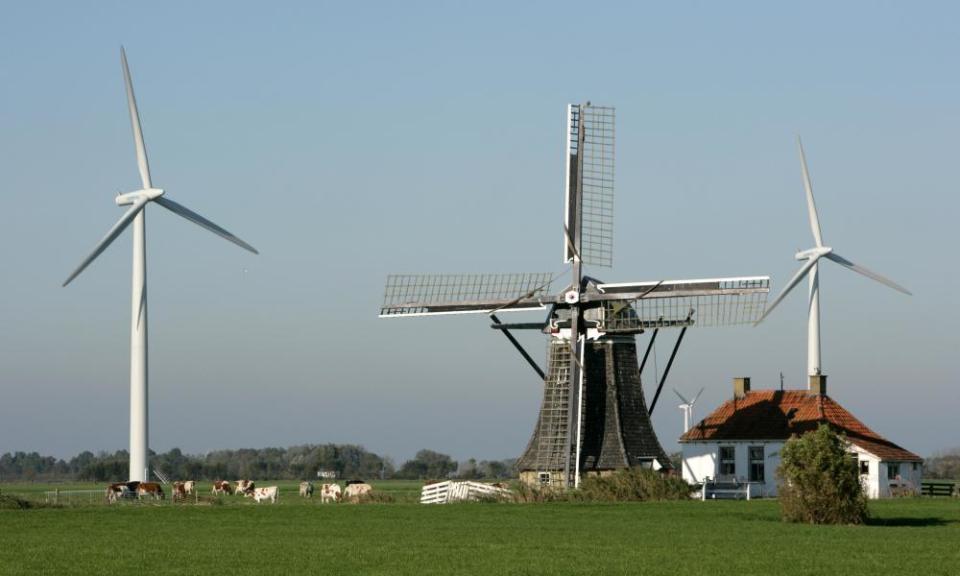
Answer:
x=179 y=491
x=189 y=486
x=329 y=493
x=245 y=487
x=269 y=493
x=151 y=489
x=116 y=492
x=306 y=489
x=222 y=487
x=354 y=492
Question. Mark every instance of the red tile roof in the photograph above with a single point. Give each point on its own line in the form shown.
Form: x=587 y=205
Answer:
x=779 y=414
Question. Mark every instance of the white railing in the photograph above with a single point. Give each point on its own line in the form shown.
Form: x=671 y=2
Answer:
x=715 y=489
x=450 y=491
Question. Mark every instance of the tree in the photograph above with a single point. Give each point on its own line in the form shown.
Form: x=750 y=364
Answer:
x=819 y=482
x=427 y=464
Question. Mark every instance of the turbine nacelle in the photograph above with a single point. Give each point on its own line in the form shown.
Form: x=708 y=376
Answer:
x=132 y=197
x=813 y=253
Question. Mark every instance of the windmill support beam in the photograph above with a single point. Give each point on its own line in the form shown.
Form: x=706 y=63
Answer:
x=666 y=372
x=516 y=344
x=653 y=338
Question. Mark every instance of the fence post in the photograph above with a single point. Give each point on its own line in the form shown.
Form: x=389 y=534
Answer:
x=56 y=496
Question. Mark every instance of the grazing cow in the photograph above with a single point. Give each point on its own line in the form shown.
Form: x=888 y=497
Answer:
x=245 y=487
x=189 y=486
x=355 y=491
x=222 y=487
x=329 y=492
x=120 y=490
x=306 y=489
x=269 y=493
x=179 y=491
x=151 y=489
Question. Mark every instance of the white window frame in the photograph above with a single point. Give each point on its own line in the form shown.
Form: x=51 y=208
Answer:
x=721 y=461
x=751 y=461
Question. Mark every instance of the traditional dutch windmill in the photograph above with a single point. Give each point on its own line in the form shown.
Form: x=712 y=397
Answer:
x=811 y=268
x=593 y=416
x=136 y=214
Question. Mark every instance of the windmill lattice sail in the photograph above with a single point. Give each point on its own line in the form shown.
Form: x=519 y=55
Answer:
x=713 y=302
x=589 y=191
x=432 y=294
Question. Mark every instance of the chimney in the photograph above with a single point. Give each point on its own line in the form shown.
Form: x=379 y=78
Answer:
x=741 y=386
x=818 y=385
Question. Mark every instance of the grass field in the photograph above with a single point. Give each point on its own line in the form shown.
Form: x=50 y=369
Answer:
x=908 y=536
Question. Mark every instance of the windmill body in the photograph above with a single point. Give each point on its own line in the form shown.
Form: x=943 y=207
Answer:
x=811 y=268
x=594 y=416
x=136 y=214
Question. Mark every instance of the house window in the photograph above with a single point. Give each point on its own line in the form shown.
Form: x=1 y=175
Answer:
x=544 y=478
x=728 y=461
x=756 y=463
x=893 y=470
x=864 y=467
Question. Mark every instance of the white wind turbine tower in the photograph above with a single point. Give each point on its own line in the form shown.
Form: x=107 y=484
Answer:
x=687 y=408
x=138 y=200
x=812 y=257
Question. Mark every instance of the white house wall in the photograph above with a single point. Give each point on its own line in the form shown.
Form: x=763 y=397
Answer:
x=909 y=479
x=701 y=461
x=871 y=481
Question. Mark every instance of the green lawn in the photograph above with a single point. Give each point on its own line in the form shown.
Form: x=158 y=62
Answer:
x=913 y=536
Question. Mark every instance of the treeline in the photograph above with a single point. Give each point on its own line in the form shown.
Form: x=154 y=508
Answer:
x=293 y=463
x=943 y=466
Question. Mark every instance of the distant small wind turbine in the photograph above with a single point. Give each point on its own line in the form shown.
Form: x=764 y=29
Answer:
x=812 y=256
x=687 y=408
x=138 y=201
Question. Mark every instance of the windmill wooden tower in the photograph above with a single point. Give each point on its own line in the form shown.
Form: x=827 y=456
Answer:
x=594 y=416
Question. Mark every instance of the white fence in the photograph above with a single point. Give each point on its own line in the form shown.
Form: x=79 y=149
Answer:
x=449 y=491
x=75 y=497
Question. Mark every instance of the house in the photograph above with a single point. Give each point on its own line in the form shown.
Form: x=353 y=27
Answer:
x=741 y=441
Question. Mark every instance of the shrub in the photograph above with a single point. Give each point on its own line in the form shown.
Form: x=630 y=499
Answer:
x=8 y=502
x=818 y=482
x=526 y=493
x=630 y=485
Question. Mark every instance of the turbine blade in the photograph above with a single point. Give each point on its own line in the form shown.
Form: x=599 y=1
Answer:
x=868 y=273
x=680 y=396
x=192 y=216
x=697 y=396
x=121 y=224
x=811 y=205
x=142 y=163
x=786 y=290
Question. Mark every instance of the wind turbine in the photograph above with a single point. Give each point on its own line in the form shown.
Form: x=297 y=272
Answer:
x=687 y=408
x=811 y=268
x=138 y=200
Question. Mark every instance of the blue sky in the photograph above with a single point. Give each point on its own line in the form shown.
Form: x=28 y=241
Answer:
x=348 y=141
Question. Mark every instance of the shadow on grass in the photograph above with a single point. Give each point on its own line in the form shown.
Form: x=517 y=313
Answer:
x=910 y=522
